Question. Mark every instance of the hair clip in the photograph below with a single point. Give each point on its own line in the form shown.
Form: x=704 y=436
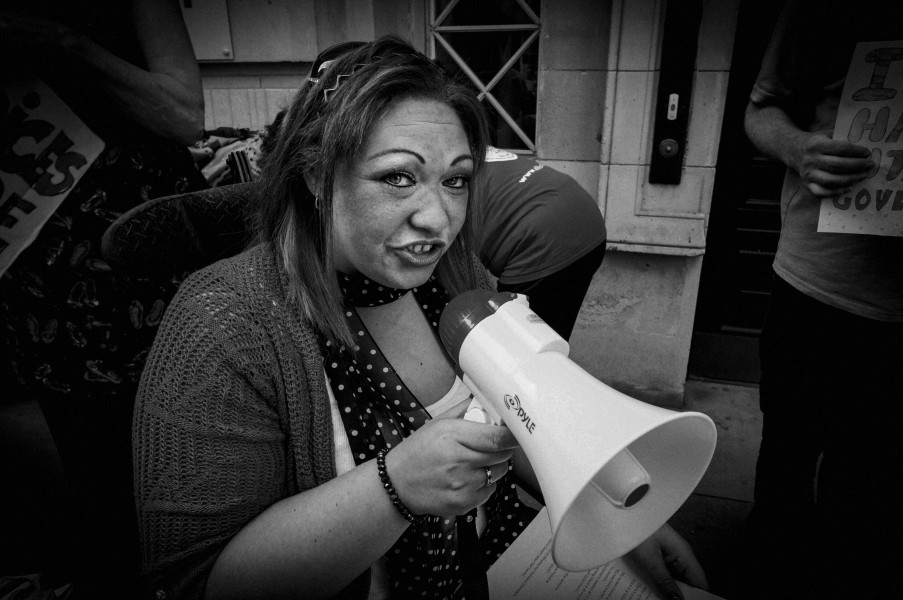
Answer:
x=338 y=81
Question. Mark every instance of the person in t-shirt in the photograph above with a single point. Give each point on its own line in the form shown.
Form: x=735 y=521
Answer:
x=543 y=235
x=74 y=333
x=828 y=388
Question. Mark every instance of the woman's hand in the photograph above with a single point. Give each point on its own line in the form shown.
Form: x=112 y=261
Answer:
x=441 y=468
x=666 y=556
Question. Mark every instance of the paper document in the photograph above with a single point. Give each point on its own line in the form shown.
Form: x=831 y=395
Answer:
x=526 y=572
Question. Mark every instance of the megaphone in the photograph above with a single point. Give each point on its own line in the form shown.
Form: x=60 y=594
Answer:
x=612 y=469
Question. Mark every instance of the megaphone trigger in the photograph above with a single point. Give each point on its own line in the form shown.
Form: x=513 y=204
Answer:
x=476 y=413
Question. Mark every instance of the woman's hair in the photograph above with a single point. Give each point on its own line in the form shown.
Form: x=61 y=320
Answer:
x=325 y=126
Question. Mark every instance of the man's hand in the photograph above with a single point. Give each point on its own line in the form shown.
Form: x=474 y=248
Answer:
x=19 y=31
x=829 y=167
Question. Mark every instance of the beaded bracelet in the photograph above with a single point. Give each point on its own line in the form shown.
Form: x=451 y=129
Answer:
x=390 y=489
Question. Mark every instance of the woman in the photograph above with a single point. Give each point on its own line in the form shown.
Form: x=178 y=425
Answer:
x=286 y=435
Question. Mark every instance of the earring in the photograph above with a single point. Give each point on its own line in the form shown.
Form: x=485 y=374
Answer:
x=317 y=201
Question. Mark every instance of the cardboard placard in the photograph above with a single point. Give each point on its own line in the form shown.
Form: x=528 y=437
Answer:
x=870 y=113
x=45 y=149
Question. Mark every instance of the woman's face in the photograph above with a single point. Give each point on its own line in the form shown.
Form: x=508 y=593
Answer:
x=399 y=204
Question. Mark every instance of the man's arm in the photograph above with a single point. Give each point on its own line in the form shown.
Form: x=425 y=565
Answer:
x=166 y=98
x=827 y=167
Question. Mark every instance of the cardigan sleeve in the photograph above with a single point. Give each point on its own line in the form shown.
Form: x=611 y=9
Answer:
x=209 y=449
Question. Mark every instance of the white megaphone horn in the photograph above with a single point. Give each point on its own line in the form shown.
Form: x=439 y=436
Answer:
x=612 y=469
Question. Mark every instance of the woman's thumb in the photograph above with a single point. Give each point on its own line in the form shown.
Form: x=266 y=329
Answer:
x=664 y=583
x=649 y=556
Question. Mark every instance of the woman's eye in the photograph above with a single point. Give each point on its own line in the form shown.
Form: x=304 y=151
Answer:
x=399 y=179
x=458 y=182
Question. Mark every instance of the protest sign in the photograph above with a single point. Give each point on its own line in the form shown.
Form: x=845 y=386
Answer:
x=870 y=113
x=44 y=150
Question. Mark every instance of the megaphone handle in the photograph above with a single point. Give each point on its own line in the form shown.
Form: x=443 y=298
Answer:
x=474 y=572
x=474 y=577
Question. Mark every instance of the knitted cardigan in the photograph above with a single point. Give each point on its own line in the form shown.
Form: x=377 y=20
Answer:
x=232 y=415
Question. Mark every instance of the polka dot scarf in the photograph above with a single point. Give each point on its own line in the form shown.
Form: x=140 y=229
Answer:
x=379 y=411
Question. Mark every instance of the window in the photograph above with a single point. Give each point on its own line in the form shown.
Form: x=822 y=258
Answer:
x=495 y=45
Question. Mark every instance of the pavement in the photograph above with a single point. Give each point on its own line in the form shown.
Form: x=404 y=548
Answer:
x=712 y=519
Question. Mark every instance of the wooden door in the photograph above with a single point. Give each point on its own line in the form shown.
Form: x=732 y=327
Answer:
x=744 y=224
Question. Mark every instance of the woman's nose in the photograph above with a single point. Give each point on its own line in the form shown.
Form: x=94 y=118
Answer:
x=431 y=211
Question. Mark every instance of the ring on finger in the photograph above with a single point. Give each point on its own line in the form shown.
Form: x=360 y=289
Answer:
x=489 y=478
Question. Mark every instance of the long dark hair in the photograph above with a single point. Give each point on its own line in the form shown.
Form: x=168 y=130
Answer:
x=326 y=124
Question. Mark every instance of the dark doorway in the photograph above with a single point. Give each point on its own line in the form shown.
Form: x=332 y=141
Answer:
x=744 y=224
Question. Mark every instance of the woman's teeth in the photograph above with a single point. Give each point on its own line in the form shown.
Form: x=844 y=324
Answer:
x=420 y=248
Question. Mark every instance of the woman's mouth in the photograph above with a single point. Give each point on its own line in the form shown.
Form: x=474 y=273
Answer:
x=421 y=254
